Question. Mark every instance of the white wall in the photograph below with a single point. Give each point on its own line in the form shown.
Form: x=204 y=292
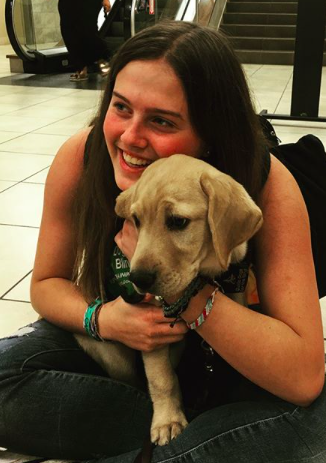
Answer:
x=3 y=31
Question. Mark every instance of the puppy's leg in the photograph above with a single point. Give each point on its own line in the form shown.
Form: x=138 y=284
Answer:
x=168 y=419
x=118 y=360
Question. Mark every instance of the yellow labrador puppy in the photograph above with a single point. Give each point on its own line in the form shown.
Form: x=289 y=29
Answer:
x=192 y=220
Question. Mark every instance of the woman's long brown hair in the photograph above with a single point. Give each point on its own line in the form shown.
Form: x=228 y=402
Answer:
x=220 y=111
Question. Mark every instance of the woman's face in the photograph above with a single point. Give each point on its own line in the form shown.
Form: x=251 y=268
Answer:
x=147 y=120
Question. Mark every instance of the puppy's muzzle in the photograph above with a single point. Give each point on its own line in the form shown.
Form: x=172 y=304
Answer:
x=143 y=279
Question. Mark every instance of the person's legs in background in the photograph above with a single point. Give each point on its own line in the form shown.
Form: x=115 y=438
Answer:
x=78 y=23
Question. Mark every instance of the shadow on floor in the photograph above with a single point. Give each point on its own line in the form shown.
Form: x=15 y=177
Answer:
x=95 y=82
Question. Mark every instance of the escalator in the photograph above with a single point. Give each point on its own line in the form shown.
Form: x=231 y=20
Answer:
x=33 y=28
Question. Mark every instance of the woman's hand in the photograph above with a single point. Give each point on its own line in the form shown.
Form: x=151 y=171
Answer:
x=140 y=326
x=127 y=238
x=106 y=5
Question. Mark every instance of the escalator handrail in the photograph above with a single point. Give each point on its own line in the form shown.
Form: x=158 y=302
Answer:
x=9 y=18
x=132 y=18
x=182 y=10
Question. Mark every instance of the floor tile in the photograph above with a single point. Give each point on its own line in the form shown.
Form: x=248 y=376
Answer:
x=308 y=124
x=4 y=185
x=291 y=134
x=257 y=83
x=7 y=108
x=21 y=292
x=14 y=315
x=18 y=167
x=6 y=136
x=73 y=105
x=9 y=457
x=22 y=205
x=9 y=89
x=10 y=123
x=47 y=91
x=250 y=69
x=17 y=253
x=71 y=101
x=283 y=107
x=69 y=125
x=273 y=73
x=35 y=143
x=23 y=100
x=38 y=178
x=265 y=102
x=45 y=111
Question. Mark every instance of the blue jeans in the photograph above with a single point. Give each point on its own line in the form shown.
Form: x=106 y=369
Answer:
x=56 y=402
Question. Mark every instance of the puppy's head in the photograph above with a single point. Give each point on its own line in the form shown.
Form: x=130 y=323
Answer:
x=191 y=218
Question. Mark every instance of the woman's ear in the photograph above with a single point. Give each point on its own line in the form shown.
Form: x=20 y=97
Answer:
x=233 y=217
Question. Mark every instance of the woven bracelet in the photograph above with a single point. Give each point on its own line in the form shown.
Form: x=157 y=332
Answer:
x=207 y=309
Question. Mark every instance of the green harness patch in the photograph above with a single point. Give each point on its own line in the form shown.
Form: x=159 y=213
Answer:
x=119 y=283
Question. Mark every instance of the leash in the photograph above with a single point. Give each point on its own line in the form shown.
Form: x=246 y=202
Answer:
x=145 y=455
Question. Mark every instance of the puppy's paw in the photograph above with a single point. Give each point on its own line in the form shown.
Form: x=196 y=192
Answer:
x=161 y=434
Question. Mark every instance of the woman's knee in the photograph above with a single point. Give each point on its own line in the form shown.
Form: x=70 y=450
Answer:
x=43 y=346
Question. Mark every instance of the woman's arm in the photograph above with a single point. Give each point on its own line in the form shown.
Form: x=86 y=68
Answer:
x=282 y=349
x=54 y=296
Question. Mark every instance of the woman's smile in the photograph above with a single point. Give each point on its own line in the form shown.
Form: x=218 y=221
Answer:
x=131 y=161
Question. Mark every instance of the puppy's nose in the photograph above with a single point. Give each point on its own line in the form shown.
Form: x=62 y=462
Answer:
x=142 y=279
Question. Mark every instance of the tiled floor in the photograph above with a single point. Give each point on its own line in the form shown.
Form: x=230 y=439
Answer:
x=34 y=122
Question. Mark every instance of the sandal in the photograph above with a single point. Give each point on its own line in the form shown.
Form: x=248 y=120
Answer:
x=78 y=76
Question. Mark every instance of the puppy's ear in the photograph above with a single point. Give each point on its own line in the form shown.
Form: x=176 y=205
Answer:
x=123 y=203
x=233 y=217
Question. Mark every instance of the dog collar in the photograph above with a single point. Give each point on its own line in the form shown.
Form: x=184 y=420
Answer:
x=174 y=310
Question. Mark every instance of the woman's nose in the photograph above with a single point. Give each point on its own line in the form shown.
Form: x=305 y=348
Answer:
x=134 y=135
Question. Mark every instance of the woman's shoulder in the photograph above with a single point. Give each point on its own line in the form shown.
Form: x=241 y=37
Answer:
x=75 y=145
x=285 y=214
x=69 y=160
x=67 y=167
x=280 y=184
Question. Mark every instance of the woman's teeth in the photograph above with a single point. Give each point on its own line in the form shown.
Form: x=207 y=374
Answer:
x=135 y=161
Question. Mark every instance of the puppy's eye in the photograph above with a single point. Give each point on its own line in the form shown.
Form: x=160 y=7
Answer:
x=175 y=222
x=136 y=221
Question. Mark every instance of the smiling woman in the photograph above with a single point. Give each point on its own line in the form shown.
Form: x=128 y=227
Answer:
x=252 y=378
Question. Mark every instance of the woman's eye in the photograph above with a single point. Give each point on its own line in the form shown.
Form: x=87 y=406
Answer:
x=175 y=222
x=163 y=122
x=120 y=107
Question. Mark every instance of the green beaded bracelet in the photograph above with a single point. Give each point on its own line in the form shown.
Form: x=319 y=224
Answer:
x=91 y=319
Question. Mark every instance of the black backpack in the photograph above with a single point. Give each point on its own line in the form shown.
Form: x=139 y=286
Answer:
x=306 y=160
